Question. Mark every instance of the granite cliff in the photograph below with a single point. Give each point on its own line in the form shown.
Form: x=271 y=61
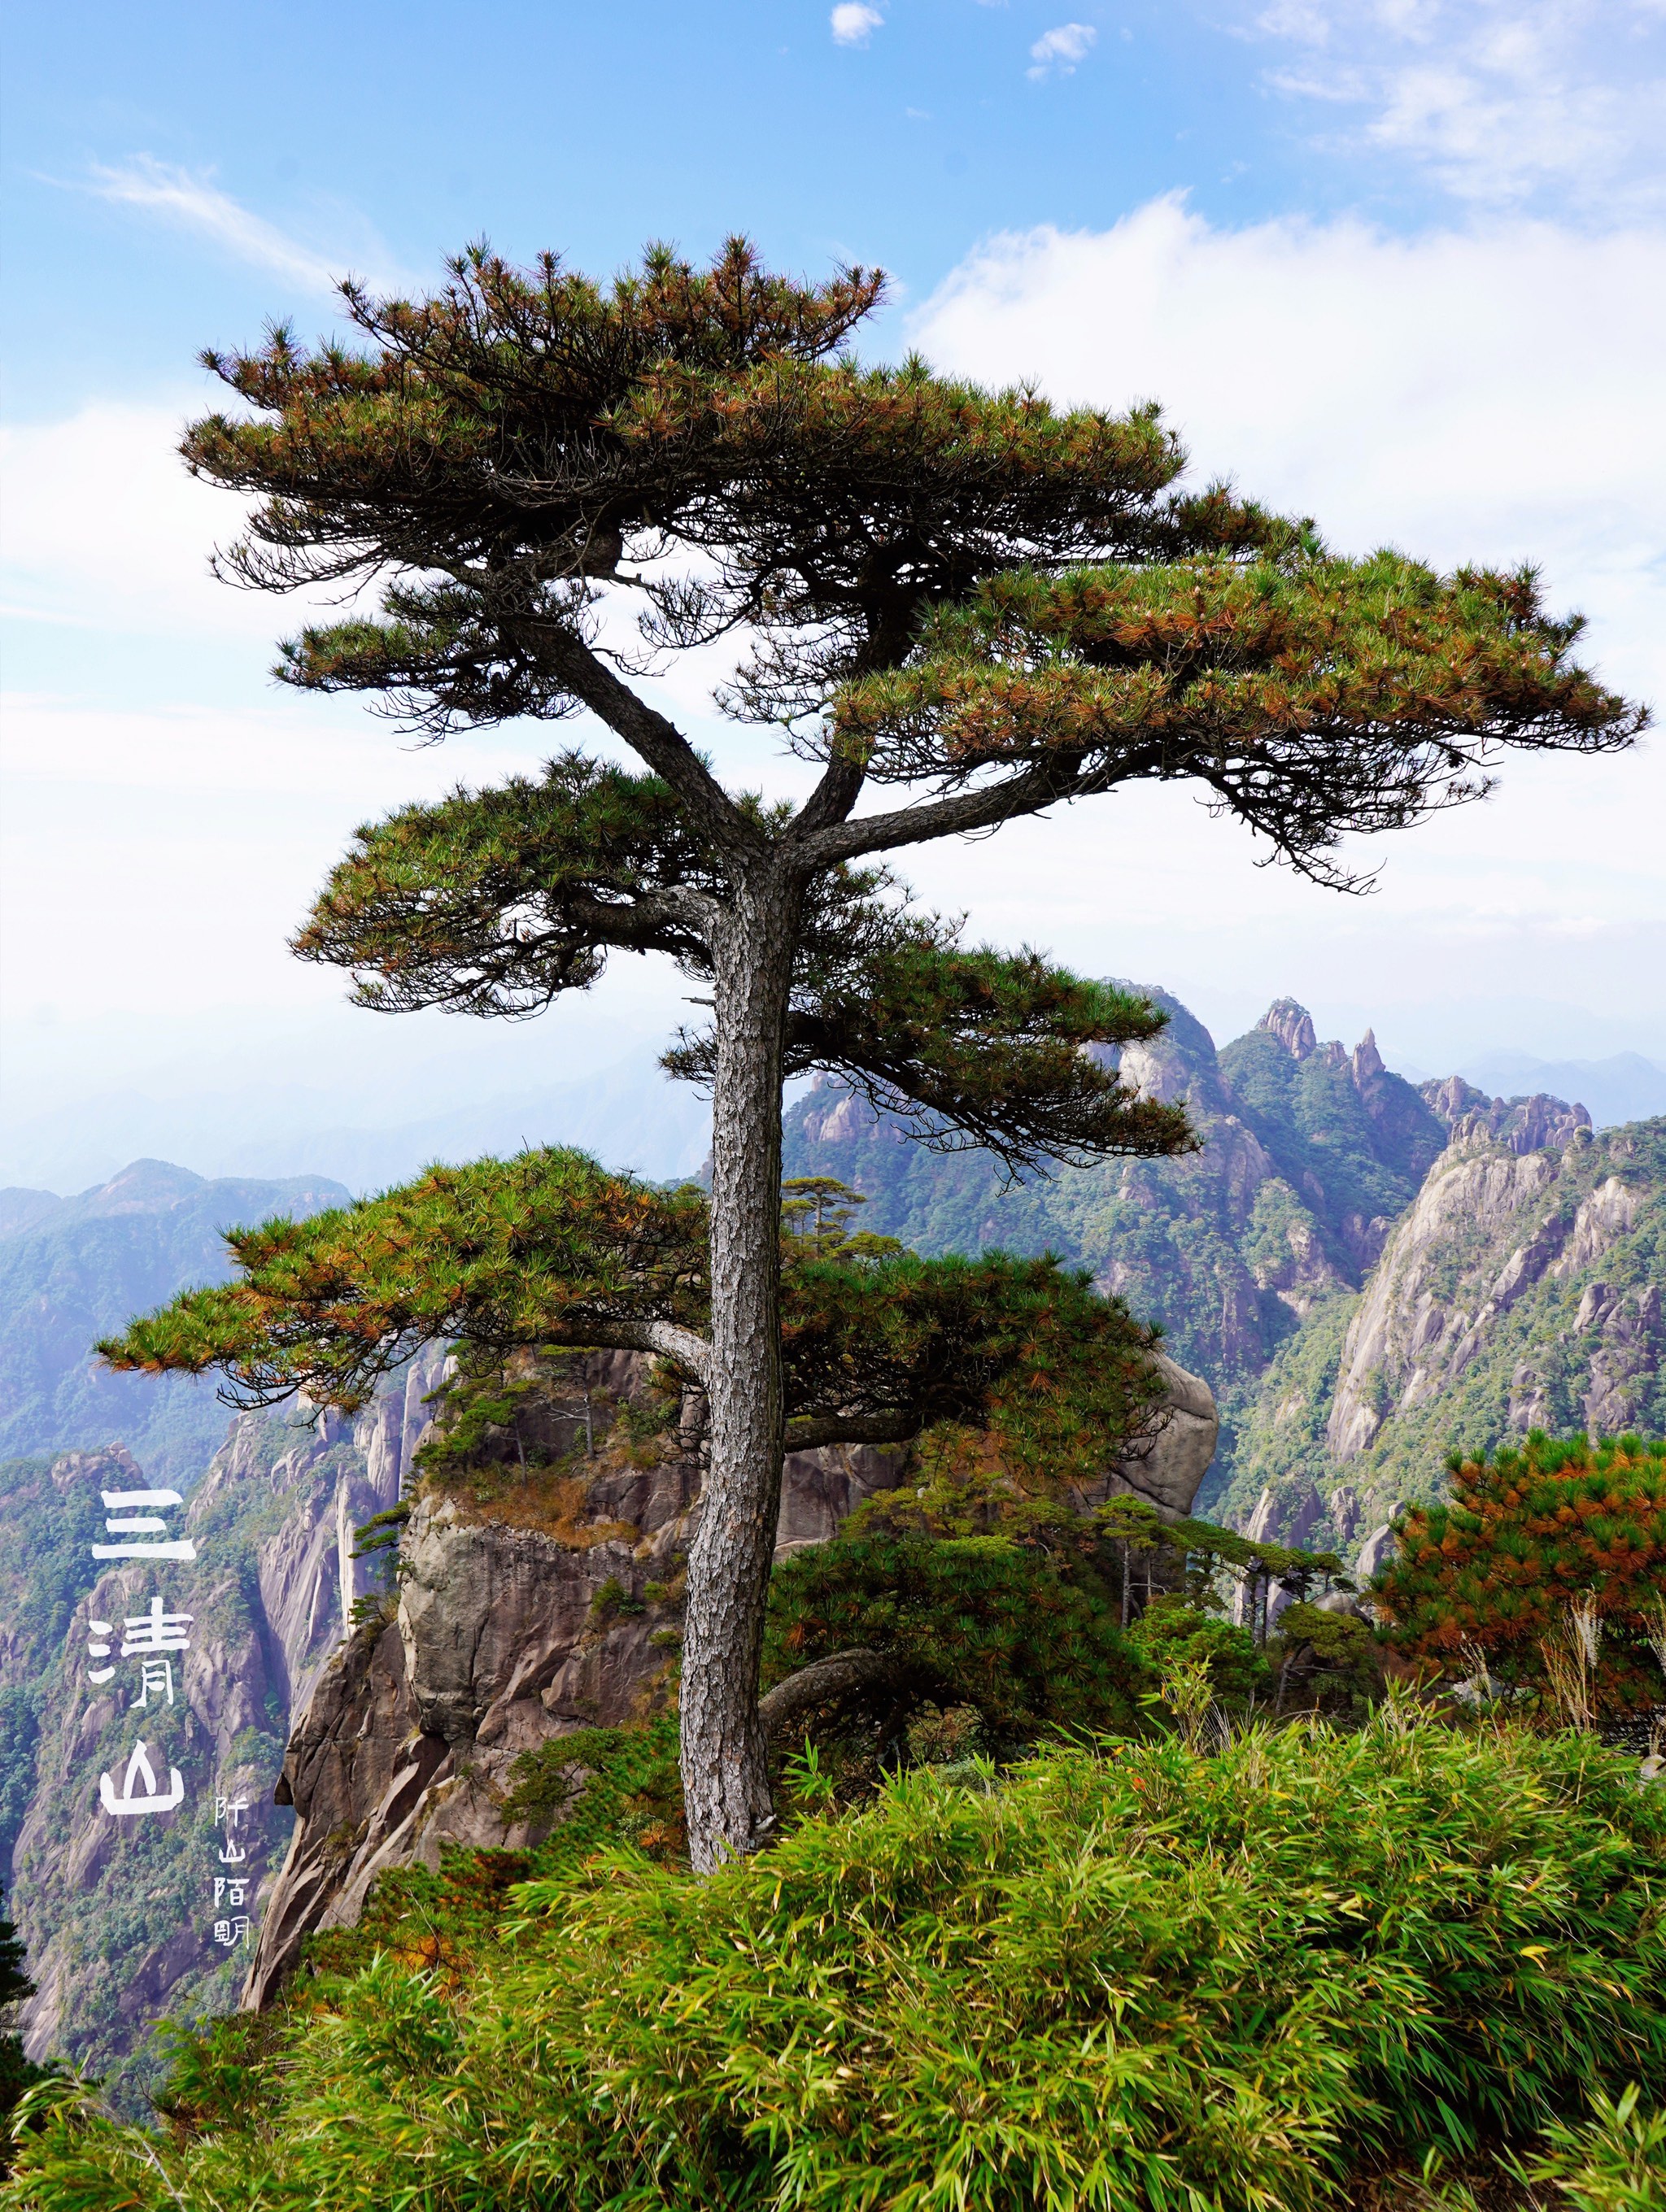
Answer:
x=119 y=1914
x=538 y=1591
x=1523 y=1289
x=1309 y=1152
x=1368 y=1272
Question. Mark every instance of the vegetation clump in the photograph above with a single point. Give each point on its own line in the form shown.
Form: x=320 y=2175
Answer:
x=1136 y=1977
x=17 y=2073
x=1487 y=1578
x=1027 y=1636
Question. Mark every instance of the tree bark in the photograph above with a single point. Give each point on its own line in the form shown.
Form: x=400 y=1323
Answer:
x=726 y=1783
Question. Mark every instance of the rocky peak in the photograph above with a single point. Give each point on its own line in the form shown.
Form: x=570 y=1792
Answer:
x=1292 y=1026
x=1366 y=1062
x=1525 y=1221
x=142 y=1186
x=1450 y=1098
x=113 y=1468
x=1532 y=1124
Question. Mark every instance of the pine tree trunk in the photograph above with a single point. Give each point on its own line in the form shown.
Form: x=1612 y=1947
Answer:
x=726 y=1783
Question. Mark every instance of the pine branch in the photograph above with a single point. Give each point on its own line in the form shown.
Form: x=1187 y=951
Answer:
x=549 y=1250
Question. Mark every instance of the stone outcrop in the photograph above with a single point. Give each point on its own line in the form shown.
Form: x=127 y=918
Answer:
x=503 y=1638
x=1168 y=1468
x=505 y=1635
x=1292 y=1026
x=1307 y=1151
x=1523 y=1289
x=1525 y=1124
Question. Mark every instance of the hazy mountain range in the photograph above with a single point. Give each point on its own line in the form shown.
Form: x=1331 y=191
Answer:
x=73 y=1269
x=1625 y=1087
x=313 y=1120
x=1312 y=1155
x=626 y=1113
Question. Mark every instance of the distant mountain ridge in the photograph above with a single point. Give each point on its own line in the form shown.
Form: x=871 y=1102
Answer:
x=628 y=1112
x=1624 y=1087
x=73 y=1269
x=1311 y=1153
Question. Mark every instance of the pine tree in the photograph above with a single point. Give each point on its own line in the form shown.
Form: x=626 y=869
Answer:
x=964 y=606
x=17 y=2073
x=548 y=1250
x=14 y=1983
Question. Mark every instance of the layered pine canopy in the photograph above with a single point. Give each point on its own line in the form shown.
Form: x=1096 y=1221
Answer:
x=547 y=1248
x=987 y=602
x=964 y=604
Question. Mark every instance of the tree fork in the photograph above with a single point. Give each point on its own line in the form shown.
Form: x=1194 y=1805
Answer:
x=726 y=1783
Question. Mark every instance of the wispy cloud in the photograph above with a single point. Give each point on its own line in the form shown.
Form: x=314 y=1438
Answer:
x=854 y=24
x=1488 y=391
x=195 y=202
x=1499 y=102
x=1057 y=52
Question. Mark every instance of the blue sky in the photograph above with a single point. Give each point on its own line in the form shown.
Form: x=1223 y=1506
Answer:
x=1400 y=263
x=392 y=133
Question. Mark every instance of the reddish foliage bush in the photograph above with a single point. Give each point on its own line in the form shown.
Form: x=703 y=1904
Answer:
x=1523 y=1534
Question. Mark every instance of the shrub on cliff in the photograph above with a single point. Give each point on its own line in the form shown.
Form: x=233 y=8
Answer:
x=1170 y=1629
x=984 y=1587
x=1153 y=1979
x=1028 y=1636
x=1494 y=1569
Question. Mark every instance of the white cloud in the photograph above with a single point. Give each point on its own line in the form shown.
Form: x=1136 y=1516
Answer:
x=101 y=528
x=196 y=203
x=1483 y=393
x=1496 y=101
x=191 y=838
x=854 y=24
x=103 y=534
x=1058 y=51
x=1490 y=394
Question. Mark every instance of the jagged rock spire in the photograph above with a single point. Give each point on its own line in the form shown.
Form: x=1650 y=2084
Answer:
x=1367 y=1060
x=1292 y=1026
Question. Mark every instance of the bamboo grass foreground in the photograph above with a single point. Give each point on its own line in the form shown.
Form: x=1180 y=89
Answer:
x=1124 y=1977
